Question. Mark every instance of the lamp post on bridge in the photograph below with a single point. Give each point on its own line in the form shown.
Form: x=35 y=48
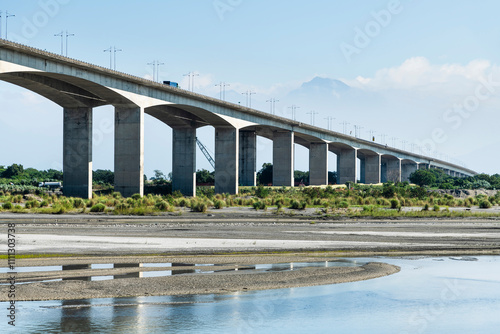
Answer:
x=222 y=93
x=156 y=66
x=272 y=101
x=312 y=113
x=191 y=76
x=329 y=119
x=294 y=108
x=249 y=94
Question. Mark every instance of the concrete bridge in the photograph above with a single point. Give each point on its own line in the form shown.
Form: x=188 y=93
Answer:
x=79 y=87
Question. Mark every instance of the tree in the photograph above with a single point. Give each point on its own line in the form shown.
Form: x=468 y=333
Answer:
x=203 y=176
x=101 y=176
x=159 y=175
x=423 y=177
x=13 y=171
x=265 y=174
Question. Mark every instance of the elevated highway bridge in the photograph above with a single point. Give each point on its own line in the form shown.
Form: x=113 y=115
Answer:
x=78 y=87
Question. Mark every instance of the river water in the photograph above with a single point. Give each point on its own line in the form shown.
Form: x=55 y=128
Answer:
x=429 y=295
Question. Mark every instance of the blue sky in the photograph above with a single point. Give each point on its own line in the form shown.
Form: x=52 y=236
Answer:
x=413 y=62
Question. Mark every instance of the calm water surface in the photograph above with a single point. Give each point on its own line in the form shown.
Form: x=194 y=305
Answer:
x=429 y=295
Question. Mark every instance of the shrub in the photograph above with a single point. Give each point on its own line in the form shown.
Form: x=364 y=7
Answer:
x=436 y=208
x=162 y=206
x=44 y=203
x=7 y=206
x=484 y=204
x=219 y=204
x=343 y=204
x=78 y=203
x=136 y=196
x=426 y=207
x=395 y=203
x=296 y=205
x=259 y=205
x=99 y=207
x=198 y=206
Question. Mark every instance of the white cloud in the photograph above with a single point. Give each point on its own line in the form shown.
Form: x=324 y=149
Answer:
x=419 y=73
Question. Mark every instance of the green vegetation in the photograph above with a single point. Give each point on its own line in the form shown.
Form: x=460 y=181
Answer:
x=19 y=193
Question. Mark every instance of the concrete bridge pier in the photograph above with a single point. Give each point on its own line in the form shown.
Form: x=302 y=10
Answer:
x=407 y=169
x=283 y=158
x=370 y=168
x=347 y=162
x=77 y=152
x=248 y=158
x=391 y=169
x=226 y=160
x=129 y=150
x=184 y=160
x=318 y=164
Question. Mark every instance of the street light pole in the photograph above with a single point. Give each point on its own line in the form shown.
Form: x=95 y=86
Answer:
x=67 y=35
x=61 y=34
x=7 y=15
x=114 y=51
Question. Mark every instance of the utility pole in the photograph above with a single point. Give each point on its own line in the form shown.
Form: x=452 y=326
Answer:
x=115 y=50
x=294 y=108
x=156 y=66
x=68 y=35
x=403 y=144
x=394 y=141
x=357 y=131
x=383 y=137
x=7 y=15
x=1 y=13
x=191 y=76
x=329 y=119
x=249 y=94
x=344 y=126
x=372 y=135
x=112 y=54
x=61 y=34
x=312 y=113
x=272 y=102
x=222 y=93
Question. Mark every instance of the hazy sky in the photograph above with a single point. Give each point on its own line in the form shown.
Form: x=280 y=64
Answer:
x=424 y=72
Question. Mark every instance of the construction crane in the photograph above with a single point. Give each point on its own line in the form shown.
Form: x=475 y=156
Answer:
x=205 y=152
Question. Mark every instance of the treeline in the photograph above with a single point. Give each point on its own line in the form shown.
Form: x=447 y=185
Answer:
x=435 y=178
x=18 y=175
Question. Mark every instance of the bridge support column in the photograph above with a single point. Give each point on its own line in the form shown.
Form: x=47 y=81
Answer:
x=391 y=170
x=318 y=164
x=422 y=165
x=248 y=158
x=184 y=160
x=283 y=155
x=346 y=165
x=129 y=151
x=77 y=152
x=406 y=170
x=226 y=160
x=370 y=169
